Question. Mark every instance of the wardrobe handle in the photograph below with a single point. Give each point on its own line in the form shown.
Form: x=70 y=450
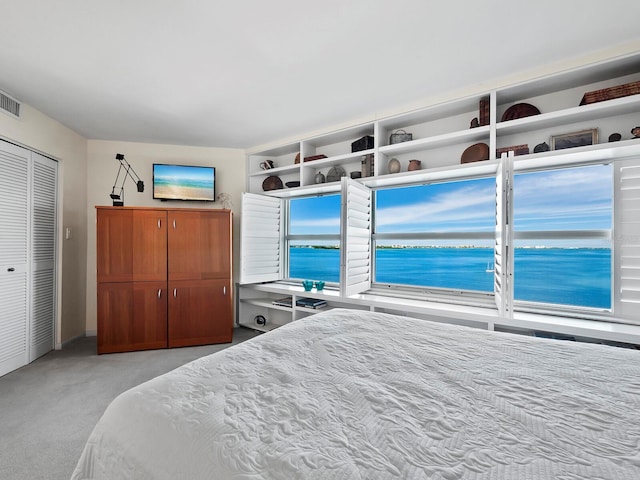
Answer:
x=159 y=292
x=174 y=223
x=159 y=223
x=224 y=290
x=175 y=292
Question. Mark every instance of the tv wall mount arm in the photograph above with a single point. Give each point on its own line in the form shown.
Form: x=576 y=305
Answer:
x=127 y=171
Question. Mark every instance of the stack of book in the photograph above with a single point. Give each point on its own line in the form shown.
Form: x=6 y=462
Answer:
x=283 y=302
x=311 y=302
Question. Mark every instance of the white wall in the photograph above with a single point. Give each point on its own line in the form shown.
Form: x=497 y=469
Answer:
x=42 y=134
x=101 y=174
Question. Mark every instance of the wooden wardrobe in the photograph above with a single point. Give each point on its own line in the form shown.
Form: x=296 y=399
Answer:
x=164 y=278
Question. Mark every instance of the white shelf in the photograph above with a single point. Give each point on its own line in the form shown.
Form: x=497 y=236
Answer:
x=338 y=159
x=594 y=111
x=277 y=170
x=460 y=137
x=265 y=303
x=439 y=130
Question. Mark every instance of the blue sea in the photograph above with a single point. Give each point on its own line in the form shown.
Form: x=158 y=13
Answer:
x=579 y=276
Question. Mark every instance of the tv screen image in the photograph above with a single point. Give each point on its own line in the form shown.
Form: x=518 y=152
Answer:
x=184 y=182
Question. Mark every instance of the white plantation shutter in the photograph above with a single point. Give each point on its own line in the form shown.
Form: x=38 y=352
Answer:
x=502 y=255
x=261 y=239
x=355 y=244
x=14 y=233
x=43 y=248
x=627 y=239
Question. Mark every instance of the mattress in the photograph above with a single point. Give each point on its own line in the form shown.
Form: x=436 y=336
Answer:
x=348 y=394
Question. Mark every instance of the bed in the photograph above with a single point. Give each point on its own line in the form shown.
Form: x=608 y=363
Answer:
x=348 y=394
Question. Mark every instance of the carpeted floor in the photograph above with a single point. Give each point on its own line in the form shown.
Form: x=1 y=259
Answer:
x=49 y=407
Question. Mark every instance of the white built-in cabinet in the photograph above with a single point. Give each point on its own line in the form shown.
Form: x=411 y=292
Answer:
x=441 y=133
x=28 y=222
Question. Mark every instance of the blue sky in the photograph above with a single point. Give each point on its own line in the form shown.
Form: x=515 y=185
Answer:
x=567 y=199
x=181 y=173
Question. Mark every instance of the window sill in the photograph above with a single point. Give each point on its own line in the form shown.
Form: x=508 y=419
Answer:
x=489 y=318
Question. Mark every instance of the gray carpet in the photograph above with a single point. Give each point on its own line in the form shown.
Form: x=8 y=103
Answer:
x=49 y=407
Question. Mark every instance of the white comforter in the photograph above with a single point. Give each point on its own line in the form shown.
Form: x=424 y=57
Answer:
x=360 y=395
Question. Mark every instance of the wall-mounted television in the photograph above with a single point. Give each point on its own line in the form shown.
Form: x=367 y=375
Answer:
x=184 y=182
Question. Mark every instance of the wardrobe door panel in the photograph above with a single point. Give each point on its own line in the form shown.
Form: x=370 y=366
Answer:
x=149 y=245
x=199 y=245
x=199 y=312
x=114 y=245
x=215 y=238
x=184 y=245
x=132 y=316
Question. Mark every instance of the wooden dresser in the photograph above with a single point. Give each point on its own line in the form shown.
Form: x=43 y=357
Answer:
x=164 y=278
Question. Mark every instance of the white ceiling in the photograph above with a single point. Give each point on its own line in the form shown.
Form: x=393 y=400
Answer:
x=240 y=73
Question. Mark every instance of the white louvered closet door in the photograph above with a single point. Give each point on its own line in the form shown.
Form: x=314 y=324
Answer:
x=14 y=235
x=43 y=255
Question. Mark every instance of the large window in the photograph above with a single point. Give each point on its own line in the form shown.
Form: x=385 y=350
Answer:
x=439 y=235
x=533 y=234
x=562 y=230
x=313 y=238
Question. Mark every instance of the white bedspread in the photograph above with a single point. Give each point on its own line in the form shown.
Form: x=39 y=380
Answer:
x=360 y=395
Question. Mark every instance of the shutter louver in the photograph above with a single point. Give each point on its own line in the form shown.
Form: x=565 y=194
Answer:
x=627 y=239
x=355 y=247
x=43 y=246
x=261 y=239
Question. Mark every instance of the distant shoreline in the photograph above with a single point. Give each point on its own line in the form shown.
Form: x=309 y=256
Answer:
x=383 y=247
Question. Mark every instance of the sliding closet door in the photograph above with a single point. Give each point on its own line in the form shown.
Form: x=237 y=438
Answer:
x=43 y=259
x=14 y=235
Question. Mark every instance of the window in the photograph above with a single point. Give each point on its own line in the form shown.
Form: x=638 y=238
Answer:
x=438 y=235
x=562 y=231
x=534 y=234
x=313 y=238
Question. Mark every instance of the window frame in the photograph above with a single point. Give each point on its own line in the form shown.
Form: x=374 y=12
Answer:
x=556 y=309
x=289 y=237
x=457 y=296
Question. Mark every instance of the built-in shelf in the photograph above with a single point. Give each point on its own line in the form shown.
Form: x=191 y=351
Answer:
x=441 y=132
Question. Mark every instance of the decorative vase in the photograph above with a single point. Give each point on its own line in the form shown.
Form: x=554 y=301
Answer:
x=394 y=165
x=414 y=165
x=319 y=178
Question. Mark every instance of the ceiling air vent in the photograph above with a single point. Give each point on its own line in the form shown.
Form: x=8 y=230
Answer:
x=9 y=105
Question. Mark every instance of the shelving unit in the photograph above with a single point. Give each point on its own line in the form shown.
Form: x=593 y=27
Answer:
x=255 y=300
x=440 y=135
x=442 y=132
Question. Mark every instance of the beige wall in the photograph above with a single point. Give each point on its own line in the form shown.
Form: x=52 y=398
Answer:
x=103 y=167
x=40 y=133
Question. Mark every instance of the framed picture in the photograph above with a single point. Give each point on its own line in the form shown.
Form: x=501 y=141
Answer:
x=575 y=139
x=517 y=150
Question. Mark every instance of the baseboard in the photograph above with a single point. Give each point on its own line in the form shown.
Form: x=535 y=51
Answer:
x=88 y=333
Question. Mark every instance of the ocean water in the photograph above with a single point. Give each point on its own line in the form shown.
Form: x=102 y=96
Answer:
x=580 y=276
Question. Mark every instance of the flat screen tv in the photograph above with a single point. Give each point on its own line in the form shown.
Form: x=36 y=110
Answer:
x=184 y=182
